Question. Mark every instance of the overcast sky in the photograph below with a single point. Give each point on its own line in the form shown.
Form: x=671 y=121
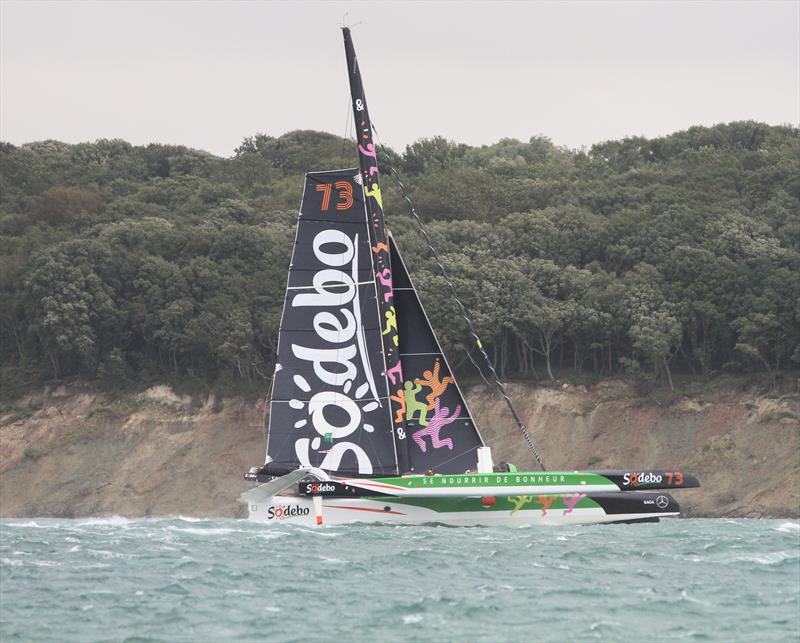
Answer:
x=208 y=74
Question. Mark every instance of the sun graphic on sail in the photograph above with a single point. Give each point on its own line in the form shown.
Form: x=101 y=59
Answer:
x=304 y=386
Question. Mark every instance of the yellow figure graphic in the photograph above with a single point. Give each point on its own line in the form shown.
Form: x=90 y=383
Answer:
x=391 y=324
x=519 y=502
x=375 y=192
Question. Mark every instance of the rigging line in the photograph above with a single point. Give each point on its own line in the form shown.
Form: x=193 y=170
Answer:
x=347 y=123
x=472 y=332
x=477 y=367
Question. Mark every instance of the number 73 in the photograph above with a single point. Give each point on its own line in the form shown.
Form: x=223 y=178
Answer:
x=345 y=193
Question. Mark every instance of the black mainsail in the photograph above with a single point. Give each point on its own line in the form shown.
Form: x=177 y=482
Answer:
x=330 y=400
x=361 y=387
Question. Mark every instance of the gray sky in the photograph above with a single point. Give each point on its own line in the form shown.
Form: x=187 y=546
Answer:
x=208 y=74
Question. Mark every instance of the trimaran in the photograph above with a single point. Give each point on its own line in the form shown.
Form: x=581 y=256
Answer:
x=366 y=421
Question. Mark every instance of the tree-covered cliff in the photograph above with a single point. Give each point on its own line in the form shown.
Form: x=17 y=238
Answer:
x=680 y=253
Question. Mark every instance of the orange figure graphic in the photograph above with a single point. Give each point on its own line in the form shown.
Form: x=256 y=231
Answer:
x=400 y=398
x=379 y=247
x=546 y=502
x=432 y=381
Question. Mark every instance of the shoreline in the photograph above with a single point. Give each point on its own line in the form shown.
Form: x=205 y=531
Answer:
x=78 y=452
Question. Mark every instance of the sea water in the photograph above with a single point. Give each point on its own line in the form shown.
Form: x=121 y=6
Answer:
x=230 y=580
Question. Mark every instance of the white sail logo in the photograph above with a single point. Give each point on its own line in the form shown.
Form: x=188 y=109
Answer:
x=336 y=367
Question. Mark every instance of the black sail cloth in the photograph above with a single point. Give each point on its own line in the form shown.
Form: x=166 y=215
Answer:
x=442 y=434
x=330 y=403
x=361 y=386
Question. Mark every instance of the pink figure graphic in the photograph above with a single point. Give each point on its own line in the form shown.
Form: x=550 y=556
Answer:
x=370 y=151
x=396 y=370
x=546 y=502
x=439 y=420
x=373 y=169
x=571 y=501
x=385 y=277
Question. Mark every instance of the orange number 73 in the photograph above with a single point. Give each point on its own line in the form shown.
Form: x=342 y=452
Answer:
x=345 y=192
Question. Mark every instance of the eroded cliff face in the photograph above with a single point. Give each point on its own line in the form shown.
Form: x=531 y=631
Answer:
x=75 y=451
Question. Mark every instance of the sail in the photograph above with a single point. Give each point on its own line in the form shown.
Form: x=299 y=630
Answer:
x=370 y=174
x=330 y=404
x=442 y=435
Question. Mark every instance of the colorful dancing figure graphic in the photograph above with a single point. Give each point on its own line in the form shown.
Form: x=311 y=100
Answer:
x=432 y=381
x=391 y=324
x=439 y=420
x=413 y=406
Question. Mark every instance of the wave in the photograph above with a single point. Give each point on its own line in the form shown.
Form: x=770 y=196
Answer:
x=770 y=558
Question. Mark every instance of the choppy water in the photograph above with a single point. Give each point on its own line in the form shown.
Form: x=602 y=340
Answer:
x=226 y=580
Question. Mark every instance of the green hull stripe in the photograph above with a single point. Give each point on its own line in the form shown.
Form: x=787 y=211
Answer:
x=466 y=480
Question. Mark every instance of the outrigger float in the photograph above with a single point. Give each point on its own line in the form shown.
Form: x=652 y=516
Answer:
x=367 y=422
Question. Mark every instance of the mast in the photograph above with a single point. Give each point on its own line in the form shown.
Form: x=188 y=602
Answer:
x=368 y=162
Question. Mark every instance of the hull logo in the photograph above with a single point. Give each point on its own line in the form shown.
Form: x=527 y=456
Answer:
x=635 y=479
x=286 y=511
x=320 y=488
x=662 y=502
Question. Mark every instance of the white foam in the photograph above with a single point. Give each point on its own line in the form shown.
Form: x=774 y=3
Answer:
x=108 y=521
x=771 y=558
x=199 y=531
x=31 y=524
x=271 y=535
x=412 y=618
x=685 y=596
x=600 y=624
x=332 y=560
x=788 y=527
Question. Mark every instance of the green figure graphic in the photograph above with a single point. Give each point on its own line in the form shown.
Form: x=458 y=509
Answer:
x=413 y=406
x=391 y=324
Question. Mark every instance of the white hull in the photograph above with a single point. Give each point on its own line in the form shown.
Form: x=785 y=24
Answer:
x=342 y=511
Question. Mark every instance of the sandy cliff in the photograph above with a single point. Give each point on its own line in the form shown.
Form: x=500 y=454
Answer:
x=75 y=451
